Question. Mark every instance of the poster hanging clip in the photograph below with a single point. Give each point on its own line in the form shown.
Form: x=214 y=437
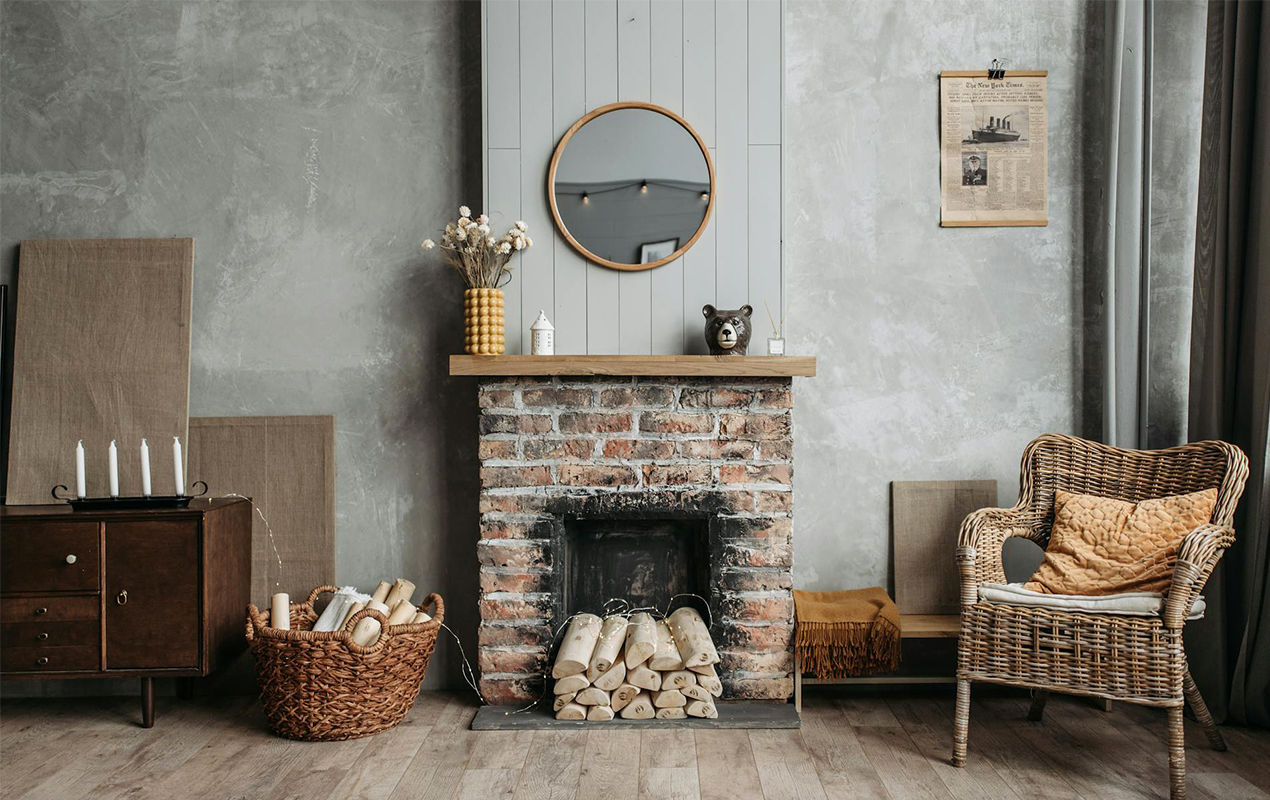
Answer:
x=997 y=71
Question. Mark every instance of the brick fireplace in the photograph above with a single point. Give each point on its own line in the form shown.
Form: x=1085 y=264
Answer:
x=656 y=458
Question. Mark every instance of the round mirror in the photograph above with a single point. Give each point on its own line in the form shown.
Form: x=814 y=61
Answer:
x=631 y=186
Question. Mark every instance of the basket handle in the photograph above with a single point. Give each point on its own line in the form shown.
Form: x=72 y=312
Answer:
x=254 y=620
x=349 y=626
x=434 y=600
x=313 y=595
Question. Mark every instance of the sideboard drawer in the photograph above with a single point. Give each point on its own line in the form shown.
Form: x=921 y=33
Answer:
x=38 y=556
x=50 y=634
x=49 y=609
x=50 y=659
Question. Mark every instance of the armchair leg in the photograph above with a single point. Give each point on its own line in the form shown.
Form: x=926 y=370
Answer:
x=961 y=724
x=1177 y=755
x=1201 y=713
x=1039 y=698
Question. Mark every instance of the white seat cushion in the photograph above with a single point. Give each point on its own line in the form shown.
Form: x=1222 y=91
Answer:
x=1135 y=604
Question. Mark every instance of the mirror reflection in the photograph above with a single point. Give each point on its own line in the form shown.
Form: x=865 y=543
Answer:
x=631 y=187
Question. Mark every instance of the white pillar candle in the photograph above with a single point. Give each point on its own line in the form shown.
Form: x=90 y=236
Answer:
x=81 y=484
x=114 y=469
x=178 y=471
x=145 y=468
x=280 y=612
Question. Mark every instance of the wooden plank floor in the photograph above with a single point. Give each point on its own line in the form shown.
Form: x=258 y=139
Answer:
x=854 y=744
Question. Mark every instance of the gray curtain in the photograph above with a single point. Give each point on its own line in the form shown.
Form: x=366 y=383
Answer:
x=1229 y=651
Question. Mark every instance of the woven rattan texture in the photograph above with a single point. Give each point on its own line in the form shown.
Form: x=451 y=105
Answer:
x=324 y=687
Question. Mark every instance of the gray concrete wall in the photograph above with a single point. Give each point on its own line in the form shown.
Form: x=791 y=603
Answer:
x=307 y=147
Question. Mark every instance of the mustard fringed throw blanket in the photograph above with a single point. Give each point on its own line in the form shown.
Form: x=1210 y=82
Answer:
x=844 y=634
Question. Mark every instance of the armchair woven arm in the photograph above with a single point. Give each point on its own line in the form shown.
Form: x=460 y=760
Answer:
x=1200 y=551
x=983 y=533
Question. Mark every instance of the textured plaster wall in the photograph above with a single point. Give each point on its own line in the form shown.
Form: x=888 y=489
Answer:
x=307 y=147
x=942 y=352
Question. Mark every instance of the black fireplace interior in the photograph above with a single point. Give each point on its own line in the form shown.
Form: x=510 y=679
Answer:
x=643 y=561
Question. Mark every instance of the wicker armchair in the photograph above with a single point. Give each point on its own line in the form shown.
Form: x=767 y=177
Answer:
x=1136 y=659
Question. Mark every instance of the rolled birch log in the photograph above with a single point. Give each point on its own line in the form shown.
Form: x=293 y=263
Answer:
x=609 y=646
x=623 y=695
x=577 y=647
x=563 y=700
x=669 y=698
x=573 y=683
x=613 y=678
x=700 y=708
x=401 y=590
x=280 y=611
x=641 y=640
x=692 y=638
x=402 y=613
x=572 y=711
x=600 y=713
x=640 y=707
x=697 y=692
x=381 y=592
x=592 y=696
x=644 y=678
x=420 y=617
x=353 y=609
x=368 y=629
x=712 y=685
x=671 y=713
x=679 y=679
x=667 y=658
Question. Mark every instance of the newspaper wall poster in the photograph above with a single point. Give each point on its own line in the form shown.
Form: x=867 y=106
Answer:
x=993 y=155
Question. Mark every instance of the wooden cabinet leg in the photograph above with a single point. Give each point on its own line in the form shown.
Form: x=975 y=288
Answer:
x=147 y=702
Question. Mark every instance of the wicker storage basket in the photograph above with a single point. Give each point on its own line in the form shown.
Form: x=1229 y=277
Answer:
x=324 y=687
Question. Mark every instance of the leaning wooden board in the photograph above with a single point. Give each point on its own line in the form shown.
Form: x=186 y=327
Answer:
x=926 y=516
x=101 y=351
x=286 y=465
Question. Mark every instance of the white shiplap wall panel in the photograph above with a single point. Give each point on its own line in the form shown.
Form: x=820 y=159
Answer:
x=719 y=64
x=568 y=60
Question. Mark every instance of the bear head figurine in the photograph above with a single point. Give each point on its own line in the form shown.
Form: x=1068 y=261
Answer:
x=727 y=332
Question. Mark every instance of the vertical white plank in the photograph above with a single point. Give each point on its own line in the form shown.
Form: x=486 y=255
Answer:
x=699 y=288
x=765 y=71
x=537 y=138
x=568 y=58
x=666 y=35
x=732 y=163
x=765 y=241
x=603 y=308
x=502 y=55
x=667 y=40
x=504 y=208
x=634 y=82
x=698 y=62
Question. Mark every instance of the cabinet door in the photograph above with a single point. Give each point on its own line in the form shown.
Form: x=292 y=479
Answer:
x=153 y=613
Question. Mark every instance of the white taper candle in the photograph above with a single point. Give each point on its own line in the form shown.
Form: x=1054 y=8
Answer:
x=145 y=468
x=280 y=612
x=114 y=469
x=178 y=469
x=81 y=484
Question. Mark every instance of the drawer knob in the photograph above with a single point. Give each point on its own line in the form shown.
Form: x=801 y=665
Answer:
x=122 y=599
x=71 y=559
x=41 y=636
x=42 y=660
x=40 y=611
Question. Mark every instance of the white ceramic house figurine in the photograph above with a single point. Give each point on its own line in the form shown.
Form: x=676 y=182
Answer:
x=543 y=335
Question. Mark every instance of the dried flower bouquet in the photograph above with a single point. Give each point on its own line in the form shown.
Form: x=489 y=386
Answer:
x=474 y=252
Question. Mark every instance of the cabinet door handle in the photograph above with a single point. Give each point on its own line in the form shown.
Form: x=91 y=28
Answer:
x=42 y=660
x=41 y=636
x=71 y=559
x=40 y=611
x=122 y=599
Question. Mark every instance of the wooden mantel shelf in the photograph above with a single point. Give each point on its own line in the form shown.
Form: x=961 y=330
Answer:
x=663 y=366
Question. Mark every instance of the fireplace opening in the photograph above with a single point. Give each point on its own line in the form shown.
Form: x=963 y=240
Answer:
x=643 y=561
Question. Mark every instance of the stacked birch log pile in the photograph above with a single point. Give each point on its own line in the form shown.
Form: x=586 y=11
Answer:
x=637 y=668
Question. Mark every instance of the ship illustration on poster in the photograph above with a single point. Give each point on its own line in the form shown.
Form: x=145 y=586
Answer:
x=996 y=125
x=997 y=130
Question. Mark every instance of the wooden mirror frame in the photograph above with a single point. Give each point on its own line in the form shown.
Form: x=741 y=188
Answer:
x=551 y=187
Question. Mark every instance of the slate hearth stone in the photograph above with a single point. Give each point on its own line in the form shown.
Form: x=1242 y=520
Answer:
x=751 y=714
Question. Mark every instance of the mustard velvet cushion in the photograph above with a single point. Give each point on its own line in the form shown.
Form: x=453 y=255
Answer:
x=1100 y=545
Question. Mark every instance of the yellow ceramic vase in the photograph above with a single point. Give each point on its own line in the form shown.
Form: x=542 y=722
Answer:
x=483 y=318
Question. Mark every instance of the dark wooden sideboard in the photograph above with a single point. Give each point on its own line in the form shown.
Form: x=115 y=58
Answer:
x=137 y=594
